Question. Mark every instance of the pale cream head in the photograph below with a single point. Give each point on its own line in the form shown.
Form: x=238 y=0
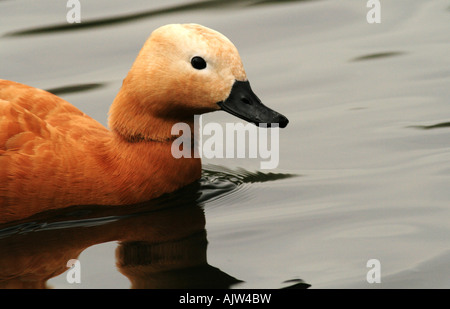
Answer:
x=170 y=82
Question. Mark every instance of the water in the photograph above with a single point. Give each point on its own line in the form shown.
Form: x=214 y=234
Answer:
x=364 y=168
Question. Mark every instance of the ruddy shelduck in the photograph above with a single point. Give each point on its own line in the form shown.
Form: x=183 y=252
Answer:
x=52 y=155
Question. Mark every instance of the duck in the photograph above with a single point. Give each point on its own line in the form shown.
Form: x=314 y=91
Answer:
x=52 y=155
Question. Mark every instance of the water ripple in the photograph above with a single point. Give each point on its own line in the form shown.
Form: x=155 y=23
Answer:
x=378 y=55
x=108 y=21
x=217 y=181
x=75 y=88
x=433 y=126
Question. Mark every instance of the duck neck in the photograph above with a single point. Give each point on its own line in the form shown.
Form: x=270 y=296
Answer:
x=137 y=117
x=140 y=136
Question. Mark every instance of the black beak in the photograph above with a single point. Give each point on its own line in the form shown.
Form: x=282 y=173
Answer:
x=243 y=103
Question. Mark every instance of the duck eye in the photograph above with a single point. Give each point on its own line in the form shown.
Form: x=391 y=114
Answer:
x=198 y=63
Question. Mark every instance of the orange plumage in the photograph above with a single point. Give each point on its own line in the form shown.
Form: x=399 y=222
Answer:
x=52 y=155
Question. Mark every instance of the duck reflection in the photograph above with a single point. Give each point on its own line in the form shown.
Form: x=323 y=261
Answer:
x=162 y=244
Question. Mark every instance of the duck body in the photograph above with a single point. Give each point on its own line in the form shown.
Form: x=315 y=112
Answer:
x=52 y=155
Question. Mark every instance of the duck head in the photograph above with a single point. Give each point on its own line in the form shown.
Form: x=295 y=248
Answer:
x=181 y=71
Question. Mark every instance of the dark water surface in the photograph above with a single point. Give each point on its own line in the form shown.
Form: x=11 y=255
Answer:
x=364 y=169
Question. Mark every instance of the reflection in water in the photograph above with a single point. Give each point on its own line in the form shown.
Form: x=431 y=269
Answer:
x=108 y=21
x=162 y=243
